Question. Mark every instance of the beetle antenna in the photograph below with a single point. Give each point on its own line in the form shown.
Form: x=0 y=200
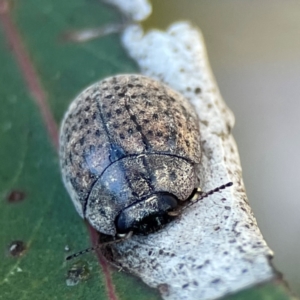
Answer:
x=94 y=248
x=206 y=194
x=202 y=196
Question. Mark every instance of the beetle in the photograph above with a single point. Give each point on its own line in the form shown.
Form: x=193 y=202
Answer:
x=129 y=150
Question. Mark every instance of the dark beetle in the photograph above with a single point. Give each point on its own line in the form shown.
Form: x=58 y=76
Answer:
x=129 y=146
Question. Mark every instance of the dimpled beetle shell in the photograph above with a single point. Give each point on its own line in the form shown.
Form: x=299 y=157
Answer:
x=124 y=140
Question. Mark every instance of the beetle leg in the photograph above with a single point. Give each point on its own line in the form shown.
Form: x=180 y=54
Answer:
x=195 y=197
x=197 y=193
x=174 y=213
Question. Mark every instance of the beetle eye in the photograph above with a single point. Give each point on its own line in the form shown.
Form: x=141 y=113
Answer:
x=166 y=201
x=147 y=215
x=121 y=223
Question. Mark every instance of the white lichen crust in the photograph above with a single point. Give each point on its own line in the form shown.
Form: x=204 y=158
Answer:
x=135 y=10
x=215 y=246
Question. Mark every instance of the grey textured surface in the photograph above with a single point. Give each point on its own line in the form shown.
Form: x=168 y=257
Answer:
x=215 y=247
x=255 y=58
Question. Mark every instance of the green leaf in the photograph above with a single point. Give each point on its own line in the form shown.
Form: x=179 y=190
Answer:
x=35 y=208
x=38 y=221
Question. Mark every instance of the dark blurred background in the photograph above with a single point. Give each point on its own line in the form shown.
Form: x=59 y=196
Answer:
x=254 y=50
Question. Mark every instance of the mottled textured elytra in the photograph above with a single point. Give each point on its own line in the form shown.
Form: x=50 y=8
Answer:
x=129 y=146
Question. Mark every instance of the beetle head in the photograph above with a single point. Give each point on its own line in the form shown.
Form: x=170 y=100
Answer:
x=147 y=215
